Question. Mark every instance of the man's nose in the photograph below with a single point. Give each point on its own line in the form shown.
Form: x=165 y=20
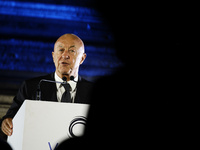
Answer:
x=65 y=55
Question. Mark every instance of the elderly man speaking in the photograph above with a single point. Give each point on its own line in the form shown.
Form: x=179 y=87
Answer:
x=68 y=55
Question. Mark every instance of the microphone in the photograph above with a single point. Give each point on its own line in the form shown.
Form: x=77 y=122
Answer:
x=72 y=78
x=65 y=79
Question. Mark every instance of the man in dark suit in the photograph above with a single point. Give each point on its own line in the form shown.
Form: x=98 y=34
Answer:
x=68 y=55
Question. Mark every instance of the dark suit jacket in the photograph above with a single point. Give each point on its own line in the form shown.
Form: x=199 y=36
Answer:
x=28 y=90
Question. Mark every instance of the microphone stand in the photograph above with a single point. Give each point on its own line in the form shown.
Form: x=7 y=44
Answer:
x=38 y=93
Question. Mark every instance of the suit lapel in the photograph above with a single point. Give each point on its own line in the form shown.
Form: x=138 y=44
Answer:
x=49 y=90
x=82 y=92
x=77 y=97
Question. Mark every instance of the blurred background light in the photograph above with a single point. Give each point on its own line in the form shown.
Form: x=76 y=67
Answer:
x=28 y=30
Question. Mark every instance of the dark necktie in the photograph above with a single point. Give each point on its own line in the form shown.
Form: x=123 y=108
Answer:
x=66 y=97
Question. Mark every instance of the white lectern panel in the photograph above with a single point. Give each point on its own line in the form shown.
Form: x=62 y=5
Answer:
x=41 y=125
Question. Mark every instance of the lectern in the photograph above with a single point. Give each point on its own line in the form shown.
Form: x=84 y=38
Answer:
x=42 y=125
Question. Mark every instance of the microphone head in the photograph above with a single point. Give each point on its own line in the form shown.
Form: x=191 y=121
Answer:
x=72 y=78
x=64 y=78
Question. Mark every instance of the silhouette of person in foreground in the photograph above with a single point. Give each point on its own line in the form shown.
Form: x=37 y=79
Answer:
x=137 y=106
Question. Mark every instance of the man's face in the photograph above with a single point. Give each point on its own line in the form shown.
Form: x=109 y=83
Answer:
x=68 y=55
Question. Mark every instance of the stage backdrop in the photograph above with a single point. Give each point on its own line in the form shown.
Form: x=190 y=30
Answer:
x=28 y=30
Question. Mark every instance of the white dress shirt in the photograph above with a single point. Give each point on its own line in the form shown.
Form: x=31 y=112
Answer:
x=61 y=89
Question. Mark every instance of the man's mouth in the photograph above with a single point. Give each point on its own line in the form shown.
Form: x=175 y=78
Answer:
x=64 y=63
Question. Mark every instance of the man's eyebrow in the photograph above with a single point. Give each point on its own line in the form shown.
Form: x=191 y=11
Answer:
x=60 y=46
x=72 y=46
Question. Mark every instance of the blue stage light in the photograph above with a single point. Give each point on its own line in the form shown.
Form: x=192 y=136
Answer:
x=39 y=21
x=51 y=11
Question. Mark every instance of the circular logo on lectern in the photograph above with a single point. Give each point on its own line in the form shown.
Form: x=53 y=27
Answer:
x=77 y=126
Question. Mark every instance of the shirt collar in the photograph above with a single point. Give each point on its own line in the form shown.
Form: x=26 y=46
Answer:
x=72 y=83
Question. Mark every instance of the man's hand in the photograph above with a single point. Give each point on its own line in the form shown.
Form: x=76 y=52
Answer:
x=7 y=126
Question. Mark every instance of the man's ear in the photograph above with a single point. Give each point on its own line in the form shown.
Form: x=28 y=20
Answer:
x=53 y=56
x=83 y=58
